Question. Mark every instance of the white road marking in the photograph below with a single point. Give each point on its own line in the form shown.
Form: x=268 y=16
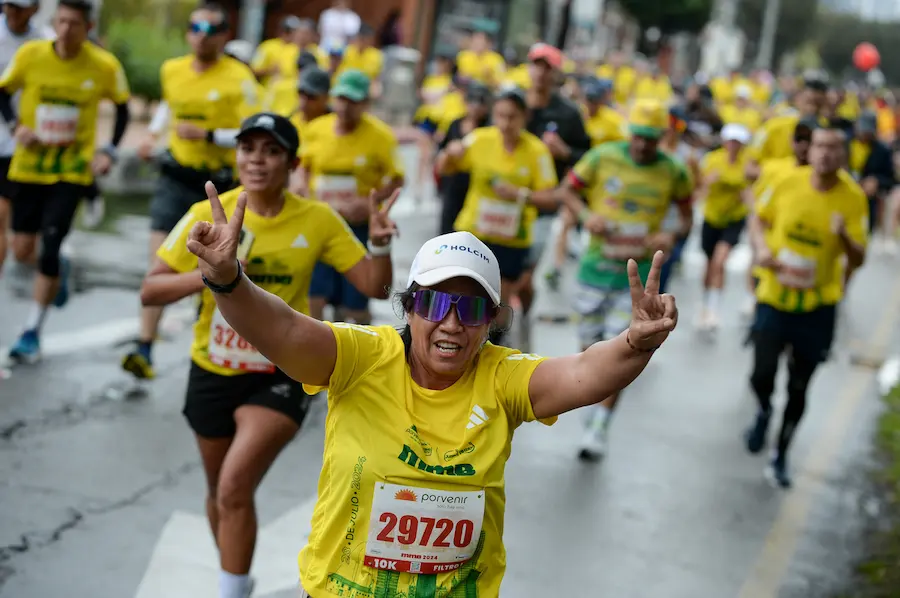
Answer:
x=184 y=563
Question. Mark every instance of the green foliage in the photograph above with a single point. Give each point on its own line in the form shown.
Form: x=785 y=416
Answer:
x=670 y=16
x=796 y=25
x=142 y=48
x=838 y=35
x=165 y=14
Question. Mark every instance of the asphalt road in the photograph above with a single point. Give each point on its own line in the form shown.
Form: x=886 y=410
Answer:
x=103 y=495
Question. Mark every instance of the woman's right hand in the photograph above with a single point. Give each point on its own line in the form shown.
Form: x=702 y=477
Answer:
x=455 y=149
x=215 y=244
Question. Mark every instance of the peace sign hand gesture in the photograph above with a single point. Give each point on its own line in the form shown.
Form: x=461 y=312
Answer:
x=215 y=244
x=381 y=227
x=653 y=316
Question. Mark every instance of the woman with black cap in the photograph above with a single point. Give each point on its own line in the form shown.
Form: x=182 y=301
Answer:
x=242 y=409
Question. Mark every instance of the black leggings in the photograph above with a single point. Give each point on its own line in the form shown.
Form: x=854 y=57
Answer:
x=768 y=350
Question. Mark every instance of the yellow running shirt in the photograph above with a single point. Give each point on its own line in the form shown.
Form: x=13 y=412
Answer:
x=268 y=57
x=59 y=103
x=801 y=237
x=724 y=204
x=218 y=98
x=412 y=479
x=487 y=68
x=344 y=167
x=605 y=126
x=769 y=175
x=285 y=249
x=370 y=61
x=484 y=214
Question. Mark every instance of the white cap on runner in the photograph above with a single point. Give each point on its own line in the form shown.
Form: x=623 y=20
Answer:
x=459 y=254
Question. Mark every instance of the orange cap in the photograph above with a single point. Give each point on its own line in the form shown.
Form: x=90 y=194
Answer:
x=546 y=52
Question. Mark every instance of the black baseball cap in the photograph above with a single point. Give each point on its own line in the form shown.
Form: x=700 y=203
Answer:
x=477 y=93
x=306 y=59
x=282 y=131
x=513 y=93
x=314 y=82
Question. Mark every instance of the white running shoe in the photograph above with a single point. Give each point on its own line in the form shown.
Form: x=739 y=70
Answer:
x=94 y=212
x=593 y=442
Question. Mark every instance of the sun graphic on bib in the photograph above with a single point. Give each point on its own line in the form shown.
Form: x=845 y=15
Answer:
x=406 y=495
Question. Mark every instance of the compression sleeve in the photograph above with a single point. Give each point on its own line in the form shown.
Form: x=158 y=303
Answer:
x=6 y=109
x=160 y=119
x=123 y=116
x=225 y=137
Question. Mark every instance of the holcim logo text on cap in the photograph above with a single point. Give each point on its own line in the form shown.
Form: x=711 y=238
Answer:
x=474 y=252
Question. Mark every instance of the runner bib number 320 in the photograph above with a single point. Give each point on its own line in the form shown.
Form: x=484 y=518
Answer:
x=229 y=350
x=56 y=125
x=419 y=530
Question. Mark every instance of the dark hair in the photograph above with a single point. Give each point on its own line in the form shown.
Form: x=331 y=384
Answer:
x=85 y=7
x=403 y=305
x=214 y=7
x=514 y=94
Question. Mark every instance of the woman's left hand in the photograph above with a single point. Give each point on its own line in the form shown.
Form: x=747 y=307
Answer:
x=381 y=227
x=653 y=316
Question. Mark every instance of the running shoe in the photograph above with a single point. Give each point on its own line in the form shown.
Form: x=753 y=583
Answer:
x=26 y=350
x=552 y=277
x=62 y=295
x=593 y=442
x=94 y=212
x=755 y=436
x=138 y=364
x=777 y=472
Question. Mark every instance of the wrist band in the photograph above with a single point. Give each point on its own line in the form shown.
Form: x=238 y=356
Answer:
x=524 y=195
x=378 y=250
x=633 y=348
x=227 y=288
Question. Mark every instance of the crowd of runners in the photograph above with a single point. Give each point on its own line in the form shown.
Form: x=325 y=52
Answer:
x=272 y=206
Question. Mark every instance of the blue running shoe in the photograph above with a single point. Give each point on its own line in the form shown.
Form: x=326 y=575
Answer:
x=777 y=472
x=62 y=295
x=756 y=434
x=27 y=349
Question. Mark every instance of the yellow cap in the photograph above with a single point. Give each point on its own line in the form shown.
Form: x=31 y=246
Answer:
x=648 y=118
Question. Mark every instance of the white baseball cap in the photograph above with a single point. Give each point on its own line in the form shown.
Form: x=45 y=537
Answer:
x=736 y=132
x=21 y=3
x=459 y=254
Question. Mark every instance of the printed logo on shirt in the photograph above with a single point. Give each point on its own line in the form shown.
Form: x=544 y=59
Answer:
x=88 y=84
x=300 y=242
x=409 y=456
x=477 y=417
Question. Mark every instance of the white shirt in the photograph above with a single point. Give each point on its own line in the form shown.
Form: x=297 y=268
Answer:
x=336 y=27
x=9 y=45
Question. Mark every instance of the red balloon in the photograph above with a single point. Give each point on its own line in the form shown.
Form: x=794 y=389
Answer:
x=866 y=57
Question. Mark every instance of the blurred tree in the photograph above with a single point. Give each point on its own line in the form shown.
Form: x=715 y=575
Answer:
x=796 y=25
x=142 y=48
x=837 y=36
x=166 y=14
x=670 y=16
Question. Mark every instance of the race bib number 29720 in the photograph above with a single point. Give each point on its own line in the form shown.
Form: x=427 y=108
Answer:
x=420 y=530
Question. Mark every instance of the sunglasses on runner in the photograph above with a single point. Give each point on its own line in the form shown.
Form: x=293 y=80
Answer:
x=207 y=28
x=435 y=305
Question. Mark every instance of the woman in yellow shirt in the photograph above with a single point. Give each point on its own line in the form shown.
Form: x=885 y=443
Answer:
x=420 y=421
x=242 y=409
x=512 y=173
x=724 y=214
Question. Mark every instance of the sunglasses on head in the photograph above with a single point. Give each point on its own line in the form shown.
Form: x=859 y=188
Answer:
x=435 y=305
x=207 y=28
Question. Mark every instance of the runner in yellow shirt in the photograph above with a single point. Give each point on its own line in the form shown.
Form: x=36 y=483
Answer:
x=818 y=215
x=205 y=95
x=742 y=111
x=362 y=55
x=268 y=59
x=479 y=62
x=724 y=214
x=281 y=97
x=421 y=420
x=242 y=409
x=313 y=91
x=346 y=157
x=512 y=174
x=62 y=83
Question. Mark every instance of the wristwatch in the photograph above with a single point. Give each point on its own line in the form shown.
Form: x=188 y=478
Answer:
x=225 y=289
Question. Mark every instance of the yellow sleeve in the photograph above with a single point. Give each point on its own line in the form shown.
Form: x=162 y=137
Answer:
x=342 y=250
x=857 y=219
x=251 y=95
x=766 y=204
x=359 y=350
x=260 y=58
x=464 y=164
x=512 y=381
x=13 y=78
x=118 y=92
x=174 y=252
x=584 y=172
x=377 y=64
x=544 y=171
x=707 y=164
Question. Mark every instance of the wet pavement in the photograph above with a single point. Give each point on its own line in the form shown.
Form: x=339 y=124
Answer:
x=103 y=493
